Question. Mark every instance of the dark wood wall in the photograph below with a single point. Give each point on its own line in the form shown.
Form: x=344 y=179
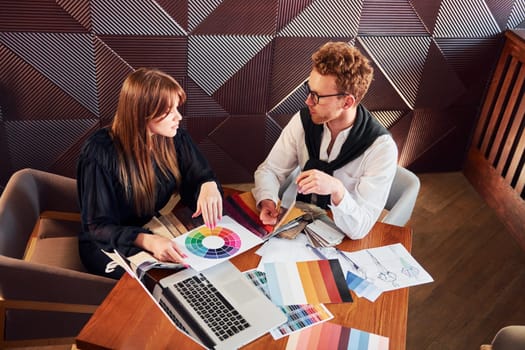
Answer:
x=496 y=160
x=242 y=63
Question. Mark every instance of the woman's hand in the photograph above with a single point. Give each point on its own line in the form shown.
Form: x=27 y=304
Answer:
x=162 y=248
x=269 y=212
x=209 y=204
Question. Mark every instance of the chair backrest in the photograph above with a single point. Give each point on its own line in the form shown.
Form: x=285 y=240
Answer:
x=508 y=338
x=402 y=197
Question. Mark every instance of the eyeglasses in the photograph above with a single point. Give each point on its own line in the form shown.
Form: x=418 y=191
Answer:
x=315 y=96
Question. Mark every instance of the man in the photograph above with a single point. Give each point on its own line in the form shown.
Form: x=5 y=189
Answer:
x=348 y=159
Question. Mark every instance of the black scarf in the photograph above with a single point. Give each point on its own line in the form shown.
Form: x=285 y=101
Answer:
x=365 y=131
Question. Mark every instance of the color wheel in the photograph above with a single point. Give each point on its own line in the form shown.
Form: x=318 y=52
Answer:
x=217 y=243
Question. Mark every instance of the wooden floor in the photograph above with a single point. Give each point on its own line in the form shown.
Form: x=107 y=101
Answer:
x=479 y=270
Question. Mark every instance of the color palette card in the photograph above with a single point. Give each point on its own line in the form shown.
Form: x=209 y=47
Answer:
x=361 y=287
x=243 y=209
x=307 y=282
x=299 y=316
x=206 y=247
x=331 y=336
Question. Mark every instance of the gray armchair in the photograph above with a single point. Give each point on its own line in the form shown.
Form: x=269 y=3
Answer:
x=402 y=197
x=46 y=296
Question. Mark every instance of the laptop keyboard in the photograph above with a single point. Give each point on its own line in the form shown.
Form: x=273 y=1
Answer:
x=172 y=316
x=211 y=306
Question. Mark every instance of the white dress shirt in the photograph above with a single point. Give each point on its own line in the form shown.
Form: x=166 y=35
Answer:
x=367 y=178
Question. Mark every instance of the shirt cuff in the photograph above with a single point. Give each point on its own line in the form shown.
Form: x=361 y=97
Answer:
x=347 y=205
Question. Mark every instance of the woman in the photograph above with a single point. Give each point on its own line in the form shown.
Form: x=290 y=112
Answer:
x=126 y=173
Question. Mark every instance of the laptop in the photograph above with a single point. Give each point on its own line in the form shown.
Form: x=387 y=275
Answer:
x=218 y=307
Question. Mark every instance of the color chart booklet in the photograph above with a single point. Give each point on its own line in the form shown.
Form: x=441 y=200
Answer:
x=139 y=264
x=334 y=336
x=206 y=247
x=242 y=208
x=299 y=316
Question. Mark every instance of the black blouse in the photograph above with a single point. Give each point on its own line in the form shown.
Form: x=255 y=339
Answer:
x=109 y=220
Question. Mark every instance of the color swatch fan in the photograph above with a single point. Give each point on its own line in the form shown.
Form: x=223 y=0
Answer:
x=206 y=247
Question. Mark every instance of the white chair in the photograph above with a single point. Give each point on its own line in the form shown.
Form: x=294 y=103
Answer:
x=402 y=197
x=508 y=338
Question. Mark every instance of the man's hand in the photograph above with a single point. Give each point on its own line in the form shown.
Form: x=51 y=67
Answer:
x=209 y=204
x=269 y=212
x=319 y=182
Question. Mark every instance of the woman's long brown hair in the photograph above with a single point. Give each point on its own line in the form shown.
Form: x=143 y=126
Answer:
x=146 y=94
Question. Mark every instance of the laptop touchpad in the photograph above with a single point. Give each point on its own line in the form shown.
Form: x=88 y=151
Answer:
x=240 y=292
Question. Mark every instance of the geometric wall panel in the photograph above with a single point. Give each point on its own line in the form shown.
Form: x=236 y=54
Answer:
x=501 y=10
x=452 y=16
x=517 y=16
x=426 y=129
x=234 y=96
x=222 y=162
x=80 y=11
x=440 y=84
x=132 y=17
x=36 y=143
x=272 y=131
x=27 y=94
x=469 y=57
x=66 y=59
x=427 y=11
x=171 y=52
x=406 y=69
x=382 y=94
x=388 y=118
x=201 y=127
x=288 y=106
x=111 y=72
x=228 y=139
x=288 y=10
x=41 y=16
x=198 y=10
x=243 y=65
x=291 y=65
x=326 y=18
x=212 y=60
x=399 y=132
x=390 y=18
x=199 y=103
x=257 y=19
x=177 y=10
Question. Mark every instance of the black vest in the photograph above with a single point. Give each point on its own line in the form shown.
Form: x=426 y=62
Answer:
x=365 y=131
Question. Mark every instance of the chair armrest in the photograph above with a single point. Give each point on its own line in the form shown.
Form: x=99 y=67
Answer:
x=23 y=280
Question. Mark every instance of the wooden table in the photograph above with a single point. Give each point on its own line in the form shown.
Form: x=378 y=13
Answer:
x=129 y=319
